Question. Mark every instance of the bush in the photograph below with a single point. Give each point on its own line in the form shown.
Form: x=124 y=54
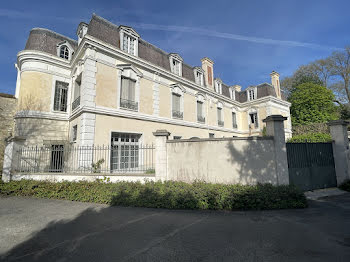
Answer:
x=345 y=185
x=311 y=138
x=169 y=194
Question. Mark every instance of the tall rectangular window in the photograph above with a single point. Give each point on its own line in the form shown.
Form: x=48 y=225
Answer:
x=176 y=106
x=61 y=95
x=127 y=94
x=129 y=44
x=254 y=119
x=76 y=95
x=251 y=94
x=199 y=78
x=176 y=67
x=125 y=151
x=219 y=114
x=200 y=113
x=74 y=133
x=234 y=120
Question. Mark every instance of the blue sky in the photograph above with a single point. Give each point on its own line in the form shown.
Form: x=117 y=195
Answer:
x=246 y=39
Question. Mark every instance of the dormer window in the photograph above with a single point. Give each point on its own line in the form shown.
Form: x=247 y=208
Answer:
x=176 y=64
x=129 y=40
x=251 y=93
x=218 y=86
x=199 y=76
x=232 y=93
x=64 y=50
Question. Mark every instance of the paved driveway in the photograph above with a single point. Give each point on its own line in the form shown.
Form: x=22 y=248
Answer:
x=53 y=230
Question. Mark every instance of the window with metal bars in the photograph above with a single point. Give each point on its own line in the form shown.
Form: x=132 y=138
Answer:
x=220 y=120
x=127 y=96
x=200 y=115
x=176 y=106
x=61 y=95
x=125 y=151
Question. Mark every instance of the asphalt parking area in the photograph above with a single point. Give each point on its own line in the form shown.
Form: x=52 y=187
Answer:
x=53 y=230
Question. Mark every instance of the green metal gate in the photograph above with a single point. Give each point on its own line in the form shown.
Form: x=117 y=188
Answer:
x=311 y=165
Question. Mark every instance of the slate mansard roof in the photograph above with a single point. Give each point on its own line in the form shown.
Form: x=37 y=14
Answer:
x=46 y=41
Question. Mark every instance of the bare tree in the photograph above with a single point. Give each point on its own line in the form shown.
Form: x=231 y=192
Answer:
x=323 y=68
x=340 y=64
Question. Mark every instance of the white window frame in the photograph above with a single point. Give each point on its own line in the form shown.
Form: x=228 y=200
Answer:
x=201 y=99
x=220 y=106
x=253 y=91
x=232 y=93
x=70 y=50
x=235 y=112
x=125 y=31
x=179 y=90
x=131 y=72
x=140 y=156
x=218 y=86
x=178 y=59
x=199 y=79
x=253 y=111
x=69 y=94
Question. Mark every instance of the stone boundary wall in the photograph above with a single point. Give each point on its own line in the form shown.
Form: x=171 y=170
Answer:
x=8 y=104
x=229 y=161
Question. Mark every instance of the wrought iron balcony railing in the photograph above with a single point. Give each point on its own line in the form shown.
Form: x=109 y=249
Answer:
x=129 y=104
x=201 y=119
x=76 y=103
x=220 y=123
x=178 y=114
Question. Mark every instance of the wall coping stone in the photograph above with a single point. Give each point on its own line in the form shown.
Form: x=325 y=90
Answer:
x=338 y=122
x=161 y=132
x=275 y=118
x=254 y=138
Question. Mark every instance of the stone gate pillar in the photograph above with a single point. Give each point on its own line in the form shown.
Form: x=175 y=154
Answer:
x=338 y=129
x=161 y=136
x=275 y=128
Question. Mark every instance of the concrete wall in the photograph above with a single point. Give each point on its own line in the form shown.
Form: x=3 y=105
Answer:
x=232 y=161
x=8 y=106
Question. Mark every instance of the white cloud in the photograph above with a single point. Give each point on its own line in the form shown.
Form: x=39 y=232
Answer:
x=211 y=33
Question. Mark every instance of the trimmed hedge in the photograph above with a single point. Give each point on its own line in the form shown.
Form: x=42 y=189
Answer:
x=345 y=185
x=172 y=195
x=311 y=138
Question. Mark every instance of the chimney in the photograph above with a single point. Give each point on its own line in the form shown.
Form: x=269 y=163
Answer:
x=81 y=31
x=275 y=81
x=207 y=66
x=238 y=88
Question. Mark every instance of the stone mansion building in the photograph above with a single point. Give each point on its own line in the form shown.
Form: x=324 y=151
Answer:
x=110 y=85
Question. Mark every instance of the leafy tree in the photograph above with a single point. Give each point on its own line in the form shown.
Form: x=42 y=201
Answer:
x=304 y=74
x=312 y=103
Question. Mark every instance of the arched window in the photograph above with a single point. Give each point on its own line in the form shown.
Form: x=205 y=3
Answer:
x=64 y=52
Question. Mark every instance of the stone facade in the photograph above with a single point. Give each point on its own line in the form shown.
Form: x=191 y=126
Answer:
x=76 y=87
x=8 y=104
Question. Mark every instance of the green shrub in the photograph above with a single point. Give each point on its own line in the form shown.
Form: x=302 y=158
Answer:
x=311 y=138
x=345 y=185
x=169 y=194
